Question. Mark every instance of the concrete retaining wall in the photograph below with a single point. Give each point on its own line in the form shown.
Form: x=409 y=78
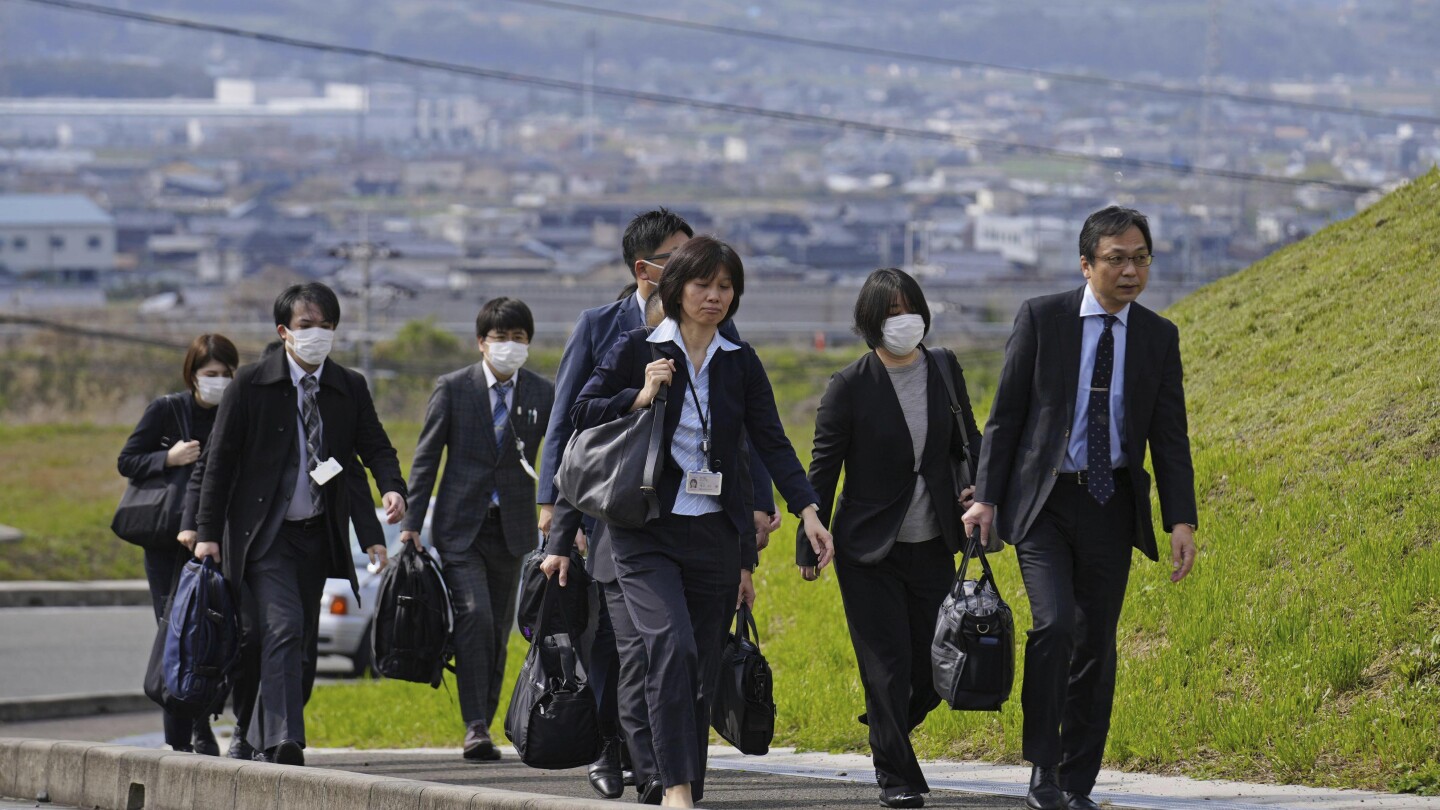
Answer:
x=117 y=777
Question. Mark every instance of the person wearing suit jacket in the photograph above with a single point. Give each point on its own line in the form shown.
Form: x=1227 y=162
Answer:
x=886 y=420
x=489 y=419
x=1091 y=380
x=648 y=243
x=159 y=445
x=679 y=574
x=273 y=506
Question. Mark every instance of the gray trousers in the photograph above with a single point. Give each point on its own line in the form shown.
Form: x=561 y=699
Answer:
x=286 y=582
x=482 y=580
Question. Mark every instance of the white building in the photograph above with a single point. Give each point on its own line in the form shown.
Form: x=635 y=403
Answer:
x=1020 y=240
x=55 y=237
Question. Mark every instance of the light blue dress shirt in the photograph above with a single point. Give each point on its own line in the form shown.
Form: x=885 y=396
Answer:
x=685 y=445
x=1090 y=311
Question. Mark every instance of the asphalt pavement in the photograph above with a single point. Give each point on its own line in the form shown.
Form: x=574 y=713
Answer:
x=61 y=651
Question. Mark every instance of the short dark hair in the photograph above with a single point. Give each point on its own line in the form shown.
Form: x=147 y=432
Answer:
x=872 y=306
x=322 y=297
x=648 y=231
x=699 y=260
x=205 y=348
x=653 y=304
x=504 y=314
x=272 y=347
x=1112 y=221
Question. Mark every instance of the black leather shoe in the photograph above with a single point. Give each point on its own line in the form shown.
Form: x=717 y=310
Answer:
x=239 y=748
x=205 y=742
x=1044 y=790
x=478 y=746
x=605 y=771
x=1079 y=801
x=650 y=791
x=904 y=798
x=288 y=752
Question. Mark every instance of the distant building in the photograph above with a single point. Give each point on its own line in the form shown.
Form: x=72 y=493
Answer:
x=58 y=238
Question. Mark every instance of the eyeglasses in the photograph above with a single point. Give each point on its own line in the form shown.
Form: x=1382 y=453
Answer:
x=517 y=336
x=657 y=257
x=1117 y=262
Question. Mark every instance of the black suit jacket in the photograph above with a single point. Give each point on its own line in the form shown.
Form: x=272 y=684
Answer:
x=1029 y=429
x=861 y=427
x=254 y=445
x=740 y=398
x=460 y=422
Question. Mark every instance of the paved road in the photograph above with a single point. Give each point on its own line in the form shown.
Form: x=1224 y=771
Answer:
x=64 y=651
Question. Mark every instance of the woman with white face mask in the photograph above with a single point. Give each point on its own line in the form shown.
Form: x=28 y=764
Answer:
x=167 y=442
x=886 y=420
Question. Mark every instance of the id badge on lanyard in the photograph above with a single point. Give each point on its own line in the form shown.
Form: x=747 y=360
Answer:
x=702 y=481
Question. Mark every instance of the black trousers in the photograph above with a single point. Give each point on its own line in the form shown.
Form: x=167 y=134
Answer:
x=1075 y=562
x=602 y=662
x=631 y=710
x=679 y=576
x=482 y=581
x=890 y=608
x=286 y=582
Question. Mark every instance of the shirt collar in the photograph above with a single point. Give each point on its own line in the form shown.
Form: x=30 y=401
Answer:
x=1090 y=306
x=490 y=379
x=669 y=332
x=640 y=302
x=297 y=373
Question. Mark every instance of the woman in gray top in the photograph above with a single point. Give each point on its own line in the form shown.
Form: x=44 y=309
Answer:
x=886 y=420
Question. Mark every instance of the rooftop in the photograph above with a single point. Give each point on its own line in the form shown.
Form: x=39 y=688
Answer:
x=51 y=209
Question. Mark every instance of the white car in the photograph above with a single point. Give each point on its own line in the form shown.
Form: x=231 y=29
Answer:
x=345 y=625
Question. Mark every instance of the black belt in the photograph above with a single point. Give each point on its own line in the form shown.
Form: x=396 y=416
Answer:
x=1082 y=477
x=307 y=524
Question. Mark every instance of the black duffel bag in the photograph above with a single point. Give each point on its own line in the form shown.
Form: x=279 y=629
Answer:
x=972 y=657
x=743 y=711
x=148 y=514
x=552 y=718
x=532 y=593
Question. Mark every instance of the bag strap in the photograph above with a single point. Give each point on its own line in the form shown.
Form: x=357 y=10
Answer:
x=942 y=358
x=182 y=418
x=649 y=482
x=975 y=549
x=745 y=625
x=542 y=629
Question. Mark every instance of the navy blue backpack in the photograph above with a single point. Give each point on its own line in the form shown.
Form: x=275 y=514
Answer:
x=197 y=645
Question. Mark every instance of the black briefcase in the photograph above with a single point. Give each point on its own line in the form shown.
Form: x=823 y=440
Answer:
x=552 y=717
x=743 y=711
x=972 y=657
x=532 y=593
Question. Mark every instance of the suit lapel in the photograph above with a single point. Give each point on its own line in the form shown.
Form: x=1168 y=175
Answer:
x=1135 y=338
x=1071 y=328
x=481 y=389
x=629 y=317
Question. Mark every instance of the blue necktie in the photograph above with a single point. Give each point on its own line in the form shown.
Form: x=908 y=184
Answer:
x=502 y=416
x=1100 y=477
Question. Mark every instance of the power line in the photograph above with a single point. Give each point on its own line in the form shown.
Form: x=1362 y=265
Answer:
x=692 y=103
x=946 y=61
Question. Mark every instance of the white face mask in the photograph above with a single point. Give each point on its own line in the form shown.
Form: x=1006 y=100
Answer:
x=902 y=333
x=507 y=357
x=312 y=345
x=210 y=389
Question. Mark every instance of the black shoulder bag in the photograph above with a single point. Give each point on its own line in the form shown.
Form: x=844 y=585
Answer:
x=552 y=717
x=149 y=512
x=611 y=471
x=744 y=709
x=972 y=657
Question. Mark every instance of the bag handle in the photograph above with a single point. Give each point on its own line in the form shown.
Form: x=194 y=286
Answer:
x=550 y=594
x=649 y=482
x=975 y=549
x=745 y=625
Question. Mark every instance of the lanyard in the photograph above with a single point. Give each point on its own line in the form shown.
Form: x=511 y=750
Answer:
x=704 y=424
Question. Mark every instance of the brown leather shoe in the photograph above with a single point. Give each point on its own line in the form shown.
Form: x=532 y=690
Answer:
x=478 y=747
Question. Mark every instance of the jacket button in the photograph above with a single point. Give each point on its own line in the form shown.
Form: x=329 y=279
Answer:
x=1067 y=433
x=1054 y=472
x=280 y=429
x=260 y=500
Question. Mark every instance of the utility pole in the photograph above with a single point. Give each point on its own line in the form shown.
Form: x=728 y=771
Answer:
x=366 y=252
x=589 y=81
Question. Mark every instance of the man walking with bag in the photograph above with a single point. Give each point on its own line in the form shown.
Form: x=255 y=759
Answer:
x=1091 y=379
x=489 y=419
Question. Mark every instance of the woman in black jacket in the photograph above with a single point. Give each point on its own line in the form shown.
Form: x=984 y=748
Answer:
x=159 y=444
x=680 y=573
x=886 y=420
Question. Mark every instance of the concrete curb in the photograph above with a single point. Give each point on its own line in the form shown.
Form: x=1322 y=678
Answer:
x=98 y=593
x=56 y=707
x=117 y=777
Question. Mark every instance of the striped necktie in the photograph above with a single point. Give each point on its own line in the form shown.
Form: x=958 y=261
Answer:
x=502 y=416
x=310 y=415
x=1100 y=479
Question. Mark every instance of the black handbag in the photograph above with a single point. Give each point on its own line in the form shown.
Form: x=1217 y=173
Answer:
x=149 y=512
x=552 y=717
x=575 y=594
x=972 y=657
x=610 y=472
x=743 y=711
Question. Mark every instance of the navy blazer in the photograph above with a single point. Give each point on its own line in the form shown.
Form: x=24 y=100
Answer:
x=740 y=398
x=861 y=427
x=595 y=333
x=1029 y=429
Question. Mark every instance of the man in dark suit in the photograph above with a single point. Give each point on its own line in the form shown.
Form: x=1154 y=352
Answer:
x=648 y=241
x=274 y=503
x=1091 y=379
x=489 y=418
